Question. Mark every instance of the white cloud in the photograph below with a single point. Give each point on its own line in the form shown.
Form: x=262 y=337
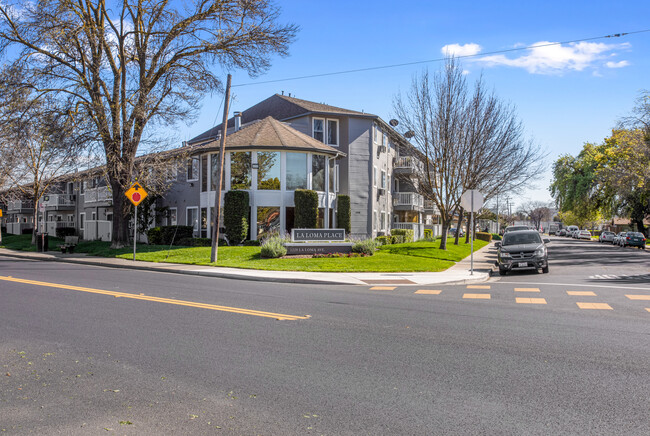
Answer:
x=461 y=50
x=547 y=58
x=620 y=64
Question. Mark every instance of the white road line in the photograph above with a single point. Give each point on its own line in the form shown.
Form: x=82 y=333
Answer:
x=577 y=285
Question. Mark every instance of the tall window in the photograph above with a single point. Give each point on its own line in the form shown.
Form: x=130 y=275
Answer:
x=374 y=176
x=326 y=131
x=214 y=172
x=193 y=218
x=383 y=179
x=240 y=170
x=204 y=173
x=193 y=169
x=172 y=216
x=317 y=172
x=268 y=221
x=332 y=175
x=318 y=129
x=82 y=220
x=383 y=220
x=296 y=171
x=268 y=170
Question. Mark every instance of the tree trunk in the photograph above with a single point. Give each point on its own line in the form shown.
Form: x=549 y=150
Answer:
x=461 y=211
x=443 y=239
x=120 y=236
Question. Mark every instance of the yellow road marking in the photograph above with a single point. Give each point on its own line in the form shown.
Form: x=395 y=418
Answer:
x=478 y=286
x=382 y=288
x=582 y=293
x=278 y=316
x=428 y=291
x=639 y=297
x=526 y=289
x=601 y=306
x=531 y=300
x=478 y=296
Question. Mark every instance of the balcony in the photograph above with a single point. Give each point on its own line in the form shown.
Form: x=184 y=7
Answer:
x=408 y=201
x=430 y=208
x=98 y=195
x=59 y=201
x=20 y=206
x=406 y=165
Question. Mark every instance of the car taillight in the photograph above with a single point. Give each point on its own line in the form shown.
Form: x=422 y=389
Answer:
x=628 y=238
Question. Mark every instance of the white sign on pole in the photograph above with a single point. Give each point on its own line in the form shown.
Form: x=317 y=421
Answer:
x=471 y=200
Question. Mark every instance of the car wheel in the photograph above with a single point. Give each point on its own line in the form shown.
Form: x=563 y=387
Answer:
x=503 y=271
x=545 y=269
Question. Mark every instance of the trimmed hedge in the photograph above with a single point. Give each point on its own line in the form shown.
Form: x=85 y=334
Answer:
x=236 y=208
x=383 y=240
x=343 y=213
x=367 y=247
x=397 y=239
x=406 y=233
x=428 y=234
x=484 y=236
x=62 y=232
x=166 y=235
x=306 y=209
x=199 y=242
x=496 y=237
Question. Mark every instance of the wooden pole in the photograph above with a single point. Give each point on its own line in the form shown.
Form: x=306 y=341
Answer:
x=217 y=199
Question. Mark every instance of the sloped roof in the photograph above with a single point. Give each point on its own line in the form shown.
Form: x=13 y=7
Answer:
x=270 y=133
x=280 y=107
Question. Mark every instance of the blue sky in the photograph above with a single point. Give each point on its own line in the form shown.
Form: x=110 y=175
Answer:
x=565 y=95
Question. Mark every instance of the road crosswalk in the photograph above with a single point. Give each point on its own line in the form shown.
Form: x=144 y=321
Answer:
x=582 y=300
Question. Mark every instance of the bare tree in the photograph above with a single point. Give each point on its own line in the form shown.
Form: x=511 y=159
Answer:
x=536 y=211
x=465 y=139
x=39 y=142
x=133 y=63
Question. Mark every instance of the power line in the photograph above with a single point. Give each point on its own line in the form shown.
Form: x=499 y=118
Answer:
x=383 y=67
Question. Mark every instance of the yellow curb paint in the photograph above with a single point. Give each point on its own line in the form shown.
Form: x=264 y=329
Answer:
x=478 y=286
x=428 y=291
x=382 y=288
x=598 y=306
x=639 y=297
x=478 y=296
x=526 y=289
x=278 y=316
x=531 y=300
x=581 y=293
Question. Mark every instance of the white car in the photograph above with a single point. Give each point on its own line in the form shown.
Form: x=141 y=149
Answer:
x=584 y=234
x=607 y=237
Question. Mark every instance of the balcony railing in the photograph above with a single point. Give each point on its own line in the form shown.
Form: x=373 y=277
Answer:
x=410 y=199
x=96 y=195
x=418 y=228
x=17 y=205
x=58 y=200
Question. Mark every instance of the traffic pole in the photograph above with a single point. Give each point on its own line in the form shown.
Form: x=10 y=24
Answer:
x=471 y=240
x=135 y=230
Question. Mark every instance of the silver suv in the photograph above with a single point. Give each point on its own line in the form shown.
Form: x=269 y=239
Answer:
x=522 y=250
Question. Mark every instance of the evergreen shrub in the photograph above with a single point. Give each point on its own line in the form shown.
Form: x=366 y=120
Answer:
x=273 y=247
x=484 y=236
x=306 y=209
x=366 y=246
x=407 y=233
x=236 y=209
x=343 y=213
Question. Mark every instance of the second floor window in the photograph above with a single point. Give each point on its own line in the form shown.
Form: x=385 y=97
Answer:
x=326 y=131
x=193 y=169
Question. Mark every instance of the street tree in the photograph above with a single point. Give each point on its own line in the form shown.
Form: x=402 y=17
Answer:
x=134 y=64
x=466 y=138
x=537 y=211
x=39 y=143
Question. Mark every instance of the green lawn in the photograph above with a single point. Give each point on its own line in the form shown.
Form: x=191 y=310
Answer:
x=411 y=257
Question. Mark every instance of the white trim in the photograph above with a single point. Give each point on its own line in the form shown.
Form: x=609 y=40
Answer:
x=313 y=131
x=327 y=129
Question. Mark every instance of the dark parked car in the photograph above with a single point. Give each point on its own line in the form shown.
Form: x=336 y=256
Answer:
x=522 y=250
x=633 y=239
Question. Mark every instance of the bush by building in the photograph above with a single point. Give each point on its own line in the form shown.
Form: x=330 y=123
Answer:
x=408 y=234
x=273 y=247
x=236 y=210
x=168 y=235
x=306 y=208
x=343 y=213
x=367 y=247
x=62 y=232
x=483 y=236
x=383 y=240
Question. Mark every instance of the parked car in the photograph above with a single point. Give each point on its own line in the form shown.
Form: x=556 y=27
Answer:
x=606 y=237
x=562 y=232
x=452 y=232
x=570 y=230
x=522 y=250
x=633 y=239
x=584 y=234
x=617 y=238
x=575 y=233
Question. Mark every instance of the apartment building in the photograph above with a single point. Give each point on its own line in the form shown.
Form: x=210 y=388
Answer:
x=274 y=147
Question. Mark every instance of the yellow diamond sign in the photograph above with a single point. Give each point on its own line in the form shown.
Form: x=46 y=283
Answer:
x=136 y=194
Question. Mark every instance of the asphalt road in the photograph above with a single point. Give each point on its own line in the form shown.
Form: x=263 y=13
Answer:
x=88 y=350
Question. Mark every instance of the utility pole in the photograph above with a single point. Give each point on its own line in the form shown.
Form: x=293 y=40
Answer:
x=217 y=199
x=497 y=213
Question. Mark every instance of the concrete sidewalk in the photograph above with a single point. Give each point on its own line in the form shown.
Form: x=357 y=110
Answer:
x=458 y=274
